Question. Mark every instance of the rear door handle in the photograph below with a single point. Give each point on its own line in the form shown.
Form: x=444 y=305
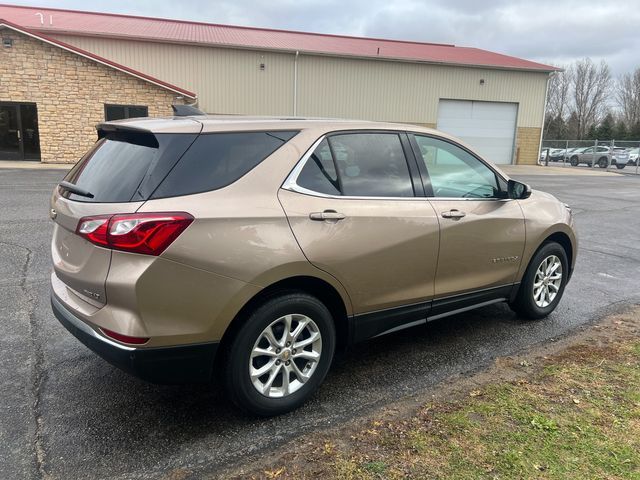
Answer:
x=326 y=215
x=453 y=213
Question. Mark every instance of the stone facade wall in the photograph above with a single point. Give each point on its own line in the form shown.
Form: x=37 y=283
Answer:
x=70 y=92
x=527 y=145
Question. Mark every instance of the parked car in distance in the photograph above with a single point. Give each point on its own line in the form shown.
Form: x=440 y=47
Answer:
x=602 y=155
x=253 y=248
x=620 y=157
x=574 y=152
x=555 y=154
x=633 y=156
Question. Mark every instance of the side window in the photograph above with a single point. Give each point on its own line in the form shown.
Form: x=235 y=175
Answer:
x=454 y=172
x=119 y=112
x=319 y=172
x=371 y=165
x=216 y=160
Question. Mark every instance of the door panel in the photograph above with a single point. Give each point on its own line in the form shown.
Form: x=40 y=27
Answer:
x=19 y=136
x=481 y=249
x=383 y=251
x=482 y=232
x=29 y=131
x=9 y=133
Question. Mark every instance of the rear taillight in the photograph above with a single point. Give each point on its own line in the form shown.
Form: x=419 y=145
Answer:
x=146 y=233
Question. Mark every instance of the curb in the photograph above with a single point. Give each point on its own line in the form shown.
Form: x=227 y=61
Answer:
x=30 y=165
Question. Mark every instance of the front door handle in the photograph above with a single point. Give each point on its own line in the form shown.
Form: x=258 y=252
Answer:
x=326 y=215
x=453 y=213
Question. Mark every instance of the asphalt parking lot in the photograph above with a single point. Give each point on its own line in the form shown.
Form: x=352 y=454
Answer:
x=65 y=413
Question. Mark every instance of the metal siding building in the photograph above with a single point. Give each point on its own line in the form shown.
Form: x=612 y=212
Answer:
x=231 y=81
x=236 y=70
x=227 y=81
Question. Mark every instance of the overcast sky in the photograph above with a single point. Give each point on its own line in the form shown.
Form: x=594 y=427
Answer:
x=551 y=31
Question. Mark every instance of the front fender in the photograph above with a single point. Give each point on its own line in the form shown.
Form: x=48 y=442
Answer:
x=546 y=216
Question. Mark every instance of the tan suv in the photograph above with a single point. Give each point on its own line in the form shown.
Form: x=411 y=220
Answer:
x=255 y=247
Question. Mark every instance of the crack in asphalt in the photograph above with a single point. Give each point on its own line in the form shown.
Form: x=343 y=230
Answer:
x=37 y=372
x=40 y=280
x=623 y=257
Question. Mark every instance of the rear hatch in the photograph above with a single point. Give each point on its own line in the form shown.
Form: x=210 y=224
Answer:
x=116 y=176
x=621 y=155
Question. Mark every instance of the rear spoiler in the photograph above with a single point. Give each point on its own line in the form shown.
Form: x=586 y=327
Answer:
x=105 y=128
x=150 y=126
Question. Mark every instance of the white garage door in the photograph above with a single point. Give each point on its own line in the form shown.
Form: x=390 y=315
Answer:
x=488 y=127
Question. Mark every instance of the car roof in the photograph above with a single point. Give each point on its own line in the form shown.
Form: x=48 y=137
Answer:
x=237 y=123
x=228 y=123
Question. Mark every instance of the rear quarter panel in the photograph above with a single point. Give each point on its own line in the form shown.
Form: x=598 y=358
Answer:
x=241 y=233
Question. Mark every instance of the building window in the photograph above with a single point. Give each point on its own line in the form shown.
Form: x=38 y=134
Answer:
x=119 y=112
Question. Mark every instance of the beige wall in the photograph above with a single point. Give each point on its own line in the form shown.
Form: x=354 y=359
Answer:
x=70 y=92
x=225 y=80
x=410 y=92
x=230 y=81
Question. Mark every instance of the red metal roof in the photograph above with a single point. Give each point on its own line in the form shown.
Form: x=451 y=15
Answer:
x=49 y=20
x=94 y=57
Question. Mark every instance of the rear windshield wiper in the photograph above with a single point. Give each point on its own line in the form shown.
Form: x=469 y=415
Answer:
x=75 y=189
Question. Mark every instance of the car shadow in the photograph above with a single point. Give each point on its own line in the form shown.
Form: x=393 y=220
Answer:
x=91 y=406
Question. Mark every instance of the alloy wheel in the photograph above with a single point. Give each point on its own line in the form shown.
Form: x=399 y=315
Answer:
x=548 y=279
x=285 y=355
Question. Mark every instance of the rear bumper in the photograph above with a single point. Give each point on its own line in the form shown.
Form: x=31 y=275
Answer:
x=168 y=365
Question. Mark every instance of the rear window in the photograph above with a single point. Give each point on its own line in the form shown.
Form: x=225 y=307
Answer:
x=216 y=160
x=131 y=166
x=319 y=173
x=126 y=166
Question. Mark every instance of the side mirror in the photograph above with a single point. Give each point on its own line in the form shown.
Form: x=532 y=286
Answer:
x=518 y=190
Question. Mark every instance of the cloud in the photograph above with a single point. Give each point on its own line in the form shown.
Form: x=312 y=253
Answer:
x=552 y=31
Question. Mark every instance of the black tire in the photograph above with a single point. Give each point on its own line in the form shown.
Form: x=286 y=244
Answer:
x=574 y=161
x=237 y=377
x=603 y=162
x=524 y=304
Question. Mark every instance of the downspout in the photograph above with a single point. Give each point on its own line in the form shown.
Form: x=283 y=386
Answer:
x=544 y=114
x=295 y=84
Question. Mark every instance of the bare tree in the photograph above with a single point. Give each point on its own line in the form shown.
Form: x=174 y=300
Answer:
x=558 y=103
x=628 y=97
x=559 y=93
x=591 y=86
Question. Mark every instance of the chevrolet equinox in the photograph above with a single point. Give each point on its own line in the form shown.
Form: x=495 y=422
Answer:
x=254 y=247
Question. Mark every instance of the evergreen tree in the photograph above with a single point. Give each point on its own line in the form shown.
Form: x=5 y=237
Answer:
x=620 y=131
x=556 y=128
x=605 y=129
